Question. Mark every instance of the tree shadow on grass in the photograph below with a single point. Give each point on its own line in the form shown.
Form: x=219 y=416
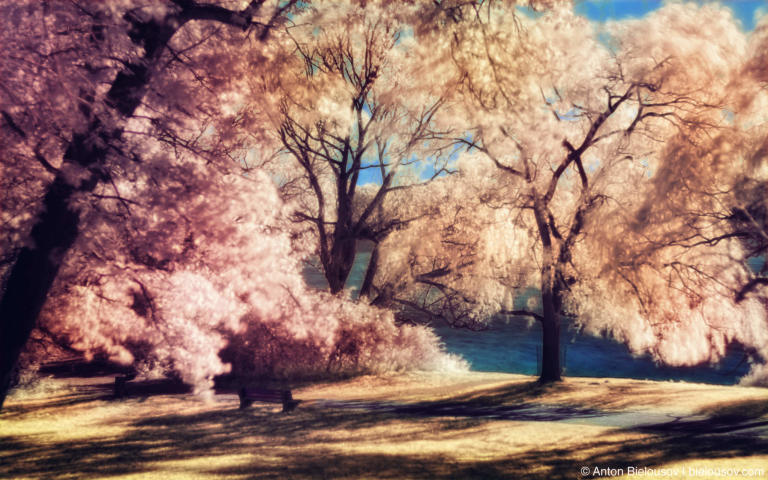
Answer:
x=744 y=417
x=555 y=463
x=513 y=393
x=741 y=410
x=187 y=437
x=511 y=402
x=315 y=442
x=41 y=404
x=649 y=451
x=606 y=398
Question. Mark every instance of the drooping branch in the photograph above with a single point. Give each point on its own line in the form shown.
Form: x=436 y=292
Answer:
x=11 y=123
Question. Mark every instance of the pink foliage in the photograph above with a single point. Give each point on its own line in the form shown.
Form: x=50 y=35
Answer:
x=192 y=272
x=188 y=264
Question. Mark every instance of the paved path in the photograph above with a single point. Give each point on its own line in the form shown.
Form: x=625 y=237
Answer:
x=648 y=421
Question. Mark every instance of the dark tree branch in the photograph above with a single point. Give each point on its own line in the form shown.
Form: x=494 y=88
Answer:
x=9 y=120
x=749 y=287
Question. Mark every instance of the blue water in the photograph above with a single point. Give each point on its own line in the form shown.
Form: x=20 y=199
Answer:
x=513 y=346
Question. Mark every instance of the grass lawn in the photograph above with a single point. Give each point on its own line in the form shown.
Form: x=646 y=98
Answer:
x=420 y=425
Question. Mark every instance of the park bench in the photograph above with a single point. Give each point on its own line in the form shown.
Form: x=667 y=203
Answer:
x=121 y=389
x=249 y=395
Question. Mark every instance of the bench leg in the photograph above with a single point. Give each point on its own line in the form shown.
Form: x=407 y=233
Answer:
x=120 y=387
x=245 y=402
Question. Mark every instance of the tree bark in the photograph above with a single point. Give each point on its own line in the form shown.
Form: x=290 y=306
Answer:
x=33 y=274
x=342 y=258
x=550 y=339
x=550 y=323
x=366 y=289
x=52 y=235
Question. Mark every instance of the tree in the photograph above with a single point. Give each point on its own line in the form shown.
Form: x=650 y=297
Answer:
x=353 y=115
x=748 y=202
x=687 y=252
x=653 y=93
x=124 y=49
x=588 y=136
x=455 y=263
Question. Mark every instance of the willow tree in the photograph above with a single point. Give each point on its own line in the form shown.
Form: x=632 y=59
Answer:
x=352 y=111
x=687 y=250
x=748 y=198
x=592 y=145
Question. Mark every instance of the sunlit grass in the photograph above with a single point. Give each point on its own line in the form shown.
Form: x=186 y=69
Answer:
x=78 y=433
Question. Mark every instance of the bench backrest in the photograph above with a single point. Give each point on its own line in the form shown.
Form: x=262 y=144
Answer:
x=266 y=395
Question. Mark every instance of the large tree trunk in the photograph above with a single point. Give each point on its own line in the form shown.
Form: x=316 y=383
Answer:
x=57 y=228
x=33 y=274
x=550 y=339
x=342 y=258
x=550 y=323
x=52 y=236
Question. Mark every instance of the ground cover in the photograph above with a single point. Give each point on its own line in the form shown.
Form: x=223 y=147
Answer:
x=419 y=425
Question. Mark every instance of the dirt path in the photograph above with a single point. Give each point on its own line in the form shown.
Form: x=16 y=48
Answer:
x=650 y=421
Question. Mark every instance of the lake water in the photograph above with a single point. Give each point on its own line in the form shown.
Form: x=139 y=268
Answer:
x=513 y=346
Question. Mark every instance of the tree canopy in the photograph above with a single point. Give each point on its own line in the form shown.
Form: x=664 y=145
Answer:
x=620 y=170
x=168 y=166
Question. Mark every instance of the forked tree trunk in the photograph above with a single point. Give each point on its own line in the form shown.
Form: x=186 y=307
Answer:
x=340 y=262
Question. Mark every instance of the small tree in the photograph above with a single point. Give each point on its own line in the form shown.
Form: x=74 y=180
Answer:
x=353 y=114
x=185 y=286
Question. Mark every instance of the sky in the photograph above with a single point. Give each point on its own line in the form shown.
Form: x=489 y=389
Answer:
x=747 y=11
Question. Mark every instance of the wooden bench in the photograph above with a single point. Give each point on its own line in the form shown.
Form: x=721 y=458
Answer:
x=121 y=389
x=250 y=395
